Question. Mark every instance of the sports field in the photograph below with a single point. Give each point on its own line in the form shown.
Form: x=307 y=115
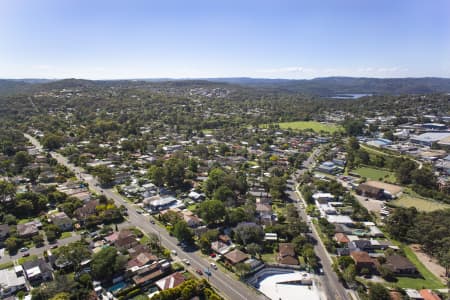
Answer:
x=312 y=125
x=374 y=174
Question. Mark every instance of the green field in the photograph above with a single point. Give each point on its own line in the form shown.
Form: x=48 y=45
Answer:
x=66 y=235
x=419 y=203
x=312 y=125
x=375 y=174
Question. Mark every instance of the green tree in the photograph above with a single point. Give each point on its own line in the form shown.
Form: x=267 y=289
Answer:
x=21 y=160
x=378 y=292
x=106 y=263
x=182 y=232
x=156 y=175
x=52 y=141
x=212 y=211
x=104 y=174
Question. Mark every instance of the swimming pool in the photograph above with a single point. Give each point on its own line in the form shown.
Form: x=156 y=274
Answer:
x=117 y=287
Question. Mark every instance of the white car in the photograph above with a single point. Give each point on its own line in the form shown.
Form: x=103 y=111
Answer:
x=213 y=265
x=174 y=252
x=186 y=261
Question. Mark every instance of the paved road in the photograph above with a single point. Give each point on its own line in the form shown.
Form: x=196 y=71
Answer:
x=40 y=250
x=329 y=281
x=227 y=285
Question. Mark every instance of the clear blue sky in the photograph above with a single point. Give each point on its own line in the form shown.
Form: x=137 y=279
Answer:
x=214 y=38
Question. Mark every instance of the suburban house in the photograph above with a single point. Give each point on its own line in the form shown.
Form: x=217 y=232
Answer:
x=61 y=220
x=142 y=259
x=148 y=274
x=236 y=256
x=86 y=210
x=11 y=281
x=286 y=254
x=341 y=238
x=4 y=231
x=125 y=240
x=171 y=281
x=429 y=295
x=400 y=265
x=363 y=261
x=37 y=271
x=370 y=191
x=28 y=229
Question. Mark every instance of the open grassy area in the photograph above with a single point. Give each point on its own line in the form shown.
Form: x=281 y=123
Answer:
x=25 y=259
x=312 y=125
x=269 y=257
x=66 y=235
x=375 y=174
x=420 y=203
x=6 y=265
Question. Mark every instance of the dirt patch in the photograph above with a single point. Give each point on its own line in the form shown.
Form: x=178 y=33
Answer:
x=391 y=188
x=429 y=262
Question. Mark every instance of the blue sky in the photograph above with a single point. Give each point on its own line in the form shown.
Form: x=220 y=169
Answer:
x=108 y=39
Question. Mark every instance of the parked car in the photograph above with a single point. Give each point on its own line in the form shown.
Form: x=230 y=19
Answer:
x=26 y=254
x=23 y=249
x=186 y=261
x=213 y=265
x=199 y=272
x=174 y=252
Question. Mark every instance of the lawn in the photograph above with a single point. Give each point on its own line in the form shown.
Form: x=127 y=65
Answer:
x=312 y=125
x=419 y=203
x=375 y=174
x=66 y=235
x=25 y=259
x=6 y=265
x=269 y=258
x=428 y=281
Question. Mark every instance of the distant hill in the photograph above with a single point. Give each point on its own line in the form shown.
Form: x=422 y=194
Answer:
x=331 y=86
x=324 y=87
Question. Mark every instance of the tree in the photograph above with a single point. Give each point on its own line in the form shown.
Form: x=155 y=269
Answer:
x=254 y=249
x=353 y=127
x=38 y=240
x=247 y=233
x=106 y=263
x=156 y=175
x=212 y=211
x=104 y=174
x=174 y=172
x=52 y=141
x=224 y=194
x=349 y=274
x=242 y=268
x=21 y=160
x=182 y=232
x=277 y=186
x=12 y=244
x=74 y=253
x=378 y=292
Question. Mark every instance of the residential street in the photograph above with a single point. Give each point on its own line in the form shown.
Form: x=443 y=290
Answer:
x=330 y=283
x=228 y=286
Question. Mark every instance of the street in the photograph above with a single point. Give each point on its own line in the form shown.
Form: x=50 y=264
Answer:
x=228 y=286
x=330 y=283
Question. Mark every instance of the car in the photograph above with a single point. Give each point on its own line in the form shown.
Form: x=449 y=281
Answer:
x=199 y=272
x=186 y=261
x=54 y=246
x=212 y=255
x=174 y=252
x=152 y=221
x=207 y=272
x=213 y=265
x=26 y=254
x=23 y=249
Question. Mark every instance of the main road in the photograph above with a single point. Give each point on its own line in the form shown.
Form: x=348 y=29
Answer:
x=329 y=280
x=228 y=286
